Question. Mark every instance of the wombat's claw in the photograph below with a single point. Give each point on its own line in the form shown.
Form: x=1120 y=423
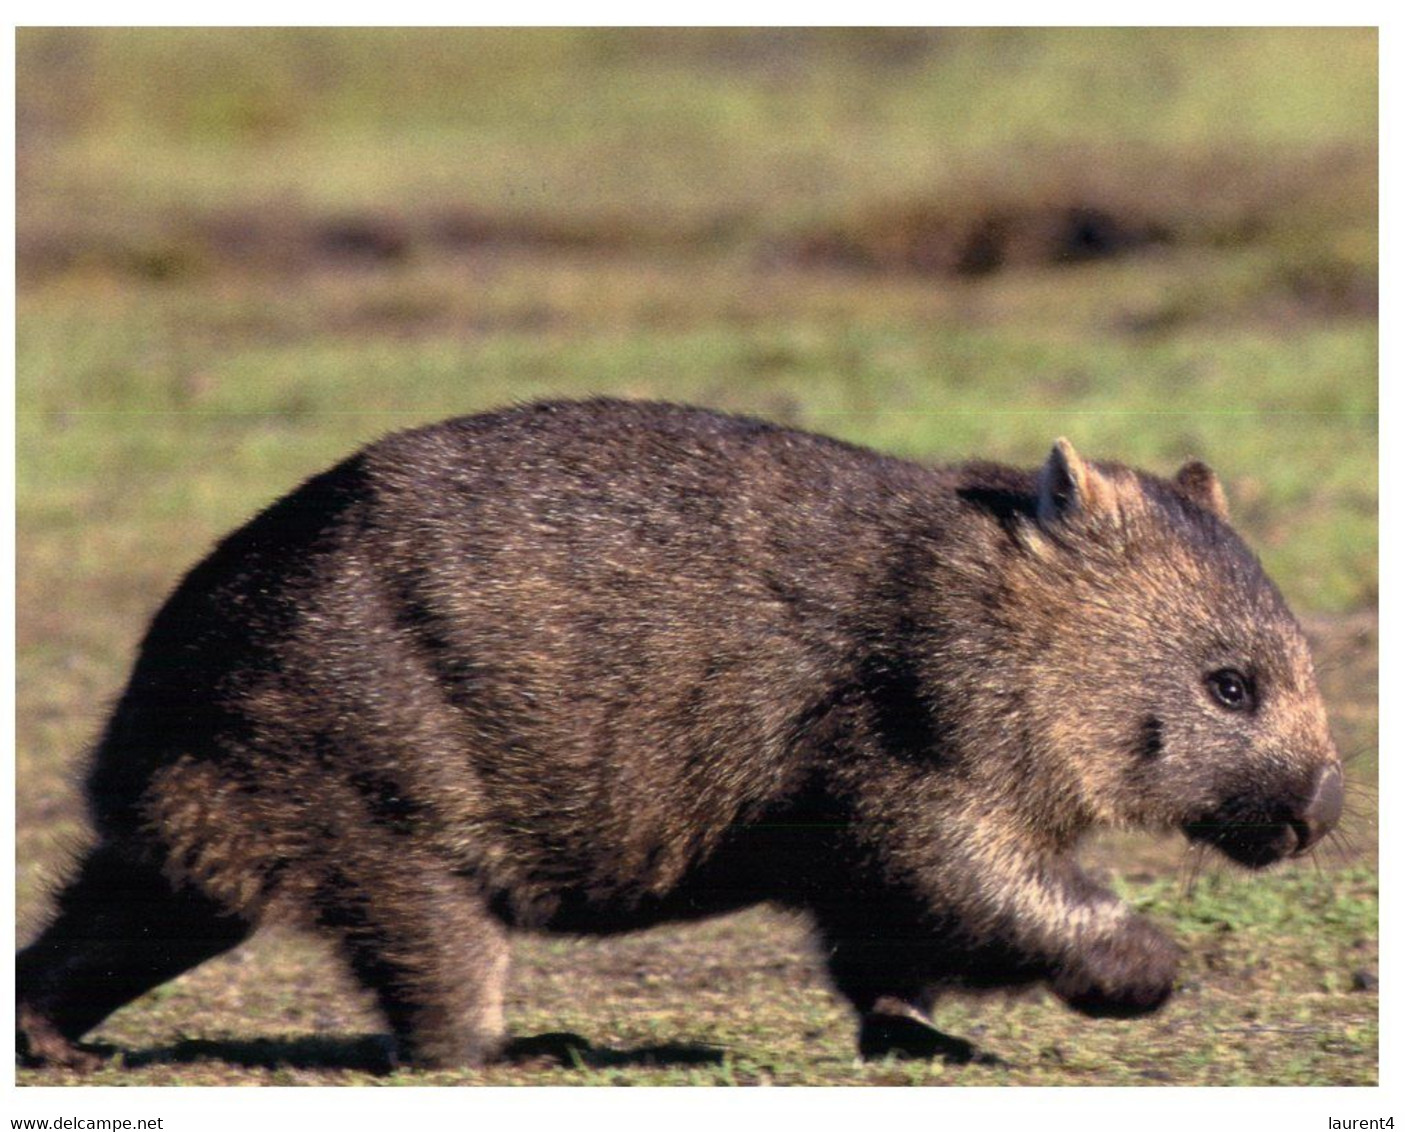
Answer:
x=561 y=1047
x=910 y=1039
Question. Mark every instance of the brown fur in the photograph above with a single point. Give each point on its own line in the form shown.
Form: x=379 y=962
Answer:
x=585 y=667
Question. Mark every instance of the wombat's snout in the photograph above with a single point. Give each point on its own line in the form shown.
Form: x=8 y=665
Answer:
x=1323 y=809
x=1257 y=831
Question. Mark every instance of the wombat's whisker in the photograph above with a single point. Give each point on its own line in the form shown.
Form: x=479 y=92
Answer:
x=1362 y=804
x=1197 y=857
x=1343 y=843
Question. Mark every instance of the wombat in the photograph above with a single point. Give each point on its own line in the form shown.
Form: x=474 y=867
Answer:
x=586 y=667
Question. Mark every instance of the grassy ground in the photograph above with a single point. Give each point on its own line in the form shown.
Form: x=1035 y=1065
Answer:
x=243 y=253
x=1268 y=998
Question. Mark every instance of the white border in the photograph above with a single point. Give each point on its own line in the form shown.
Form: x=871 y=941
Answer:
x=684 y=1109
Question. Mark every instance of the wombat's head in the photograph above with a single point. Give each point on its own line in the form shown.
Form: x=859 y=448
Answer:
x=1172 y=672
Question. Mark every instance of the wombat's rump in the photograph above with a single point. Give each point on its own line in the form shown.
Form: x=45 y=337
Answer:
x=584 y=667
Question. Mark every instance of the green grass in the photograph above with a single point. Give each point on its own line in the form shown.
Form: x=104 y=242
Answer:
x=238 y=261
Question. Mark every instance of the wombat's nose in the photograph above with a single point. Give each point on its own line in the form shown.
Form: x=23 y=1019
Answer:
x=1322 y=811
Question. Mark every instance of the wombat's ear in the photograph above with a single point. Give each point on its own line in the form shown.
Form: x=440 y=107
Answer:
x=1200 y=485
x=1068 y=486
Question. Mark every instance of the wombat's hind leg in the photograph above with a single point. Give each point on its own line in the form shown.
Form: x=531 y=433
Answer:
x=122 y=928
x=424 y=942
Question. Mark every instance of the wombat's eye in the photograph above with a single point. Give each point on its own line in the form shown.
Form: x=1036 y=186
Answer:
x=1231 y=688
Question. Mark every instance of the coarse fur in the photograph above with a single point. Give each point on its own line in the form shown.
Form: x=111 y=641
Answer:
x=589 y=666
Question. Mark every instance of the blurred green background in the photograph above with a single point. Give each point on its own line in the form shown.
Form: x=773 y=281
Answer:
x=243 y=252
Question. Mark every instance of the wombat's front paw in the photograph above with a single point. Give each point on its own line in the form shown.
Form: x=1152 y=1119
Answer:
x=1127 y=975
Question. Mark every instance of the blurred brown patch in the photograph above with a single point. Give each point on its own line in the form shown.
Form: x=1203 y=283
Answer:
x=1075 y=207
x=930 y=239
